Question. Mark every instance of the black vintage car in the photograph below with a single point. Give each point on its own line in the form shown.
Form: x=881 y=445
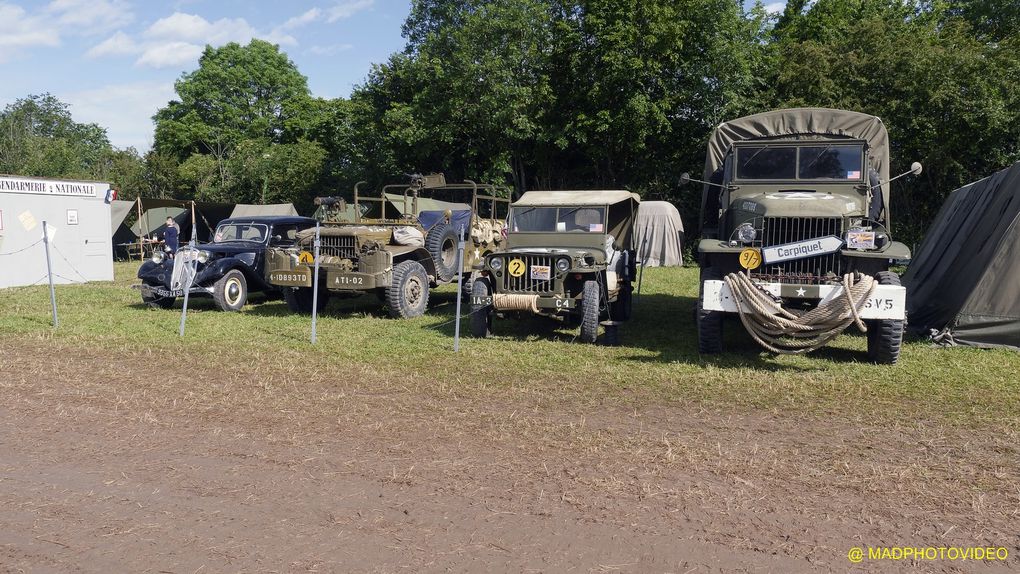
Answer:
x=227 y=268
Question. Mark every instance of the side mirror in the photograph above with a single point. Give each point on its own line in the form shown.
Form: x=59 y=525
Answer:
x=685 y=178
x=916 y=168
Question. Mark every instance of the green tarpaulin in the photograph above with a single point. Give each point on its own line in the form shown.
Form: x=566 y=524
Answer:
x=963 y=286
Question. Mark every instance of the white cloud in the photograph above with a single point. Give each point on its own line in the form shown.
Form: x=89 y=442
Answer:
x=19 y=30
x=125 y=110
x=120 y=44
x=193 y=28
x=301 y=20
x=347 y=9
x=169 y=54
x=775 y=7
x=329 y=50
x=87 y=17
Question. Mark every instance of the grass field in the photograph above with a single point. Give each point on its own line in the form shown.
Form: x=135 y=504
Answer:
x=657 y=362
x=241 y=447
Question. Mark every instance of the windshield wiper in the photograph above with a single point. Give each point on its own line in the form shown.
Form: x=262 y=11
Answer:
x=754 y=155
x=818 y=157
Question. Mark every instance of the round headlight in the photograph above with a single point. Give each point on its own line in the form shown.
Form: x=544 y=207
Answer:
x=746 y=233
x=203 y=256
x=563 y=264
x=496 y=263
x=157 y=257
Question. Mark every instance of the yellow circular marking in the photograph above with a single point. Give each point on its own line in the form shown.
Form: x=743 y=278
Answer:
x=516 y=267
x=750 y=259
x=306 y=257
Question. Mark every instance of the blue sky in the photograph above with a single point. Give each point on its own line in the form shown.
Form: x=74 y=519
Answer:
x=115 y=61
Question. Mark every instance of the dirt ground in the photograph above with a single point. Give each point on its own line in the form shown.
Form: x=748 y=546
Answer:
x=105 y=467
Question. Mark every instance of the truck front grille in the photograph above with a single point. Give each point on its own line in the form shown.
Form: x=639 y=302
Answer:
x=344 y=246
x=781 y=230
x=524 y=283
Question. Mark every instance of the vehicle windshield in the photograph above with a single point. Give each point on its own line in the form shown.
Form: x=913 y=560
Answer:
x=837 y=162
x=254 y=232
x=583 y=219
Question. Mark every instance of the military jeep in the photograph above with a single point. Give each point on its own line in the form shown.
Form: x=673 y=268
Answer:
x=796 y=200
x=568 y=256
x=397 y=244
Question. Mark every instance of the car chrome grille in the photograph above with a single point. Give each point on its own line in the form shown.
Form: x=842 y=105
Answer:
x=344 y=246
x=524 y=283
x=782 y=230
x=185 y=264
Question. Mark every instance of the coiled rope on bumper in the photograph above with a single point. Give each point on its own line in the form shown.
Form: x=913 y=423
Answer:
x=515 y=302
x=792 y=332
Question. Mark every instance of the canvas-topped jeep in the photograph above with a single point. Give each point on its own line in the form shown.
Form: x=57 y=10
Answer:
x=397 y=244
x=568 y=255
x=795 y=200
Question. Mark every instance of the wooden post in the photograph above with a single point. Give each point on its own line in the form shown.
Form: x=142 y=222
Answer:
x=141 y=233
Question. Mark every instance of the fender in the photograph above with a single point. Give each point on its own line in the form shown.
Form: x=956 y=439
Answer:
x=212 y=272
x=419 y=254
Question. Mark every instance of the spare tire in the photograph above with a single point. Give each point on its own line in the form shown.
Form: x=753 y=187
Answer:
x=441 y=243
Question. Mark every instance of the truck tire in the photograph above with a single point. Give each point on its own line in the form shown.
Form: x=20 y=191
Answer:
x=299 y=299
x=441 y=243
x=481 y=315
x=231 y=291
x=709 y=322
x=408 y=294
x=590 y=300
x=885 y=336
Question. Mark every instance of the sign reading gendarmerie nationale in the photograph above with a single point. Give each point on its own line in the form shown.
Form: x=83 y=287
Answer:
x=47 y=186
x=801 y=249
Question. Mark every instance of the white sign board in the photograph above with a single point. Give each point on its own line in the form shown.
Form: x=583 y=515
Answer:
x=72 y=217
x=47 y=187
x=801 y=249
x=27 y=220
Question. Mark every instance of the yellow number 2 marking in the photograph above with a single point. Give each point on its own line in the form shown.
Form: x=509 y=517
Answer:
x=750 y=259
x=516 y=267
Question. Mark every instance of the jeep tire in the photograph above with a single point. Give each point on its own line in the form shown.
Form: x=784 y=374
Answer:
x=231 y=291
x=441 y=243
x=590 y=301
x=299 y=299
x=481 y=315
x=885 y=336
x=408 y=293
x=709 y=322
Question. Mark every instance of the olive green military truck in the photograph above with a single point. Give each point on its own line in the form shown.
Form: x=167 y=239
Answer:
x=567 y=255
x=797 y=229
x=397 y=244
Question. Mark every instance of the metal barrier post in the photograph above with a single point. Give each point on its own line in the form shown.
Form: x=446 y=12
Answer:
x=315 y=286
x=49 y=273
x=460 y=288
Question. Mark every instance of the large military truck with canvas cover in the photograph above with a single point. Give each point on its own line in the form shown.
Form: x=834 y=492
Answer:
x=568 y=255
x=797 y=232
x=397 y=244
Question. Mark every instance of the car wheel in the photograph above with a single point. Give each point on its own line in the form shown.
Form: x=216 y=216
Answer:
x=408 y=294
x=441 y=243
x=481 y=315
x=231 y=291
x=157 y=302
x=709 y=322
x=885 y=336
x=590 y=300
x=299 y=299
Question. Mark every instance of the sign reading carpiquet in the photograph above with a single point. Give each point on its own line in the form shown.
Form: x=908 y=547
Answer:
x=47 y=187
x=802 y=249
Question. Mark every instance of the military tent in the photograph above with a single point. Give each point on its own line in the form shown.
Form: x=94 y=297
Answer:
x=963 y=286
x=659 y=234
x=250 y=210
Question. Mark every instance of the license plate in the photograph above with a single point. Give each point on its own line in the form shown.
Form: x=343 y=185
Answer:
x=291 y=278
x=167 y=292
x=541 y=272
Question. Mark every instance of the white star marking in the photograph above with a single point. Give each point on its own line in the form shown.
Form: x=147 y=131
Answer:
x=801 y=292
